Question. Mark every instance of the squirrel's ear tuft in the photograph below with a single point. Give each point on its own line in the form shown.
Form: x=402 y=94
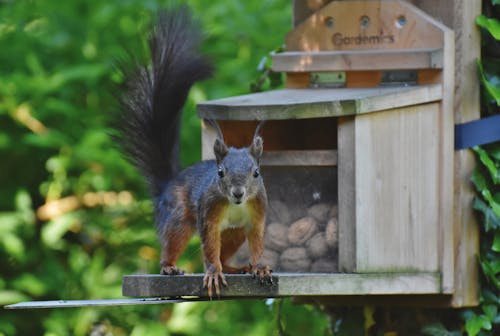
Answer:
x=220 y=150
x=256 y=148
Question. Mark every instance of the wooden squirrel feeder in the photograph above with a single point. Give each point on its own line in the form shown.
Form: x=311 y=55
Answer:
x=359 y=161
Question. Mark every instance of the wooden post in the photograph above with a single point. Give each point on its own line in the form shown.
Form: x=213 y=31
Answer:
x=460 y=16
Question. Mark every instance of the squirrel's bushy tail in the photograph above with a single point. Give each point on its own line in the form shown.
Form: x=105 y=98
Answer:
x=150 y=122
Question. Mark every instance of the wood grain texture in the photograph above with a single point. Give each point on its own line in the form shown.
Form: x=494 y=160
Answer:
x=294 y=61
x=466 y=105
x=337 y=26
x=397 y=190
x=285 y=284
x=208 y=136
x=347 y=195
x=446 y=177
x=300 y=158
x=316 y=103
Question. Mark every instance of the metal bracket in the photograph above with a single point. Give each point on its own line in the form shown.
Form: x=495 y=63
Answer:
x=399 y=78
x=335 y=79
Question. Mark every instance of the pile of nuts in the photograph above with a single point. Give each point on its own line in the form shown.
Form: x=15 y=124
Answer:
x=305 y=241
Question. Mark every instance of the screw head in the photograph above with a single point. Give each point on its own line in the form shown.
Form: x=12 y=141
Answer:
x=401 y=21
x=364 y=21
x=329 y=22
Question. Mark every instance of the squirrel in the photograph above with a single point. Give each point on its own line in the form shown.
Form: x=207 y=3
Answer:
x=224 y=200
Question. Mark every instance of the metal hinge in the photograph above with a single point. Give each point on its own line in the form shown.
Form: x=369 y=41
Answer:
x=399 y=78
x=335 y=79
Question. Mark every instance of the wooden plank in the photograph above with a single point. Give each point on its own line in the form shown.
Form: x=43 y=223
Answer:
x=208 y=136
x=397 y=182
x=466 y=106
x=446 y=157
x=347 y=195
x=152 y=285
x=338 y=26
x=316 y=103
x=91 y=303
x=294 y=61
x=299 y=158
x=285 y=284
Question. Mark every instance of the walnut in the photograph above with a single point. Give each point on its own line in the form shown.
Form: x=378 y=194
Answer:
x=317 y=246
x=271 y=258
x=294 y=259
x=331 y=233
x=276 y=237
x=325 y=265
x=301 y=230
x=320 y=212
x=334 y=211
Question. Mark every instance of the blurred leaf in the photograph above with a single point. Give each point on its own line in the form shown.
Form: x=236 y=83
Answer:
x=493 y=150
x=490 y=311
x=53 y=230
x=496 y=242
x=477 y=322
x=491 y=83
x=438 y=329
x=11 y=296
x=491 y=25
x=490 y=219
x=490 y=270
x=489 y=297
x=488 y=163
x=31 y=284
x=13 y=245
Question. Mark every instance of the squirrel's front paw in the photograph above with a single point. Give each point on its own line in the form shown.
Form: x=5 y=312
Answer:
x=263 y=273
x=171 y=270
x=211 y=279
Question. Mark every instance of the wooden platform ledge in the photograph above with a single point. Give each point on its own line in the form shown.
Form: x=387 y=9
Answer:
x=285 y=284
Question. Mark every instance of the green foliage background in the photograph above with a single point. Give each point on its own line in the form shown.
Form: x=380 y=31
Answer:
x=74 y=216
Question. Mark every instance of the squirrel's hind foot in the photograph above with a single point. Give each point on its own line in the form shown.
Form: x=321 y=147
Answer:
x=171 y=270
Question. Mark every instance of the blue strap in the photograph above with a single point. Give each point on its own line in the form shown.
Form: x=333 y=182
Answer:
x=477 y=132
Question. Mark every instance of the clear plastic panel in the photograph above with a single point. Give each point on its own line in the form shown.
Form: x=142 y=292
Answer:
x=301 y=227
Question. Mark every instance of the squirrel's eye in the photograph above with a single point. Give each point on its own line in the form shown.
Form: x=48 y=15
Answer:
x=220 y=172
x=256 y=173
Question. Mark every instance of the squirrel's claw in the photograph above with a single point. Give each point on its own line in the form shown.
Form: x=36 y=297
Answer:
x=211 y=279
x=262 y=273
x=171 y=270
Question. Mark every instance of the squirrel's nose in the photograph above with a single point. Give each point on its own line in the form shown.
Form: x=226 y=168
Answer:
x=238 y=193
